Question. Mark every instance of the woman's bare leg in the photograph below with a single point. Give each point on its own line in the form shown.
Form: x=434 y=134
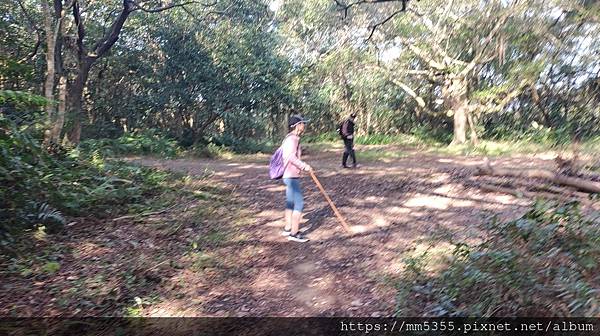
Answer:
x=296 y=218
x=288 y=219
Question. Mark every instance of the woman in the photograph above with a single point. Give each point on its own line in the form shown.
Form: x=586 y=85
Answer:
x=291 y=177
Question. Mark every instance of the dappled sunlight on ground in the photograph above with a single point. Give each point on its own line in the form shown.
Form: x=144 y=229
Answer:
x=271 y=279
x=90 y=250
x=277 y=189
x=223 y=255
x=432 y=202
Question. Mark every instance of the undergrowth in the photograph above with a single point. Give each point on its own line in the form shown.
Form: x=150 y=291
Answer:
x=146 y=142
x=546 y=263
x=419 y=136
x=40 y=189
x=151 y=142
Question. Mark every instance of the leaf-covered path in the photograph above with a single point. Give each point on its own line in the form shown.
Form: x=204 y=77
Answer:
x=395 y=207
x=220 y=252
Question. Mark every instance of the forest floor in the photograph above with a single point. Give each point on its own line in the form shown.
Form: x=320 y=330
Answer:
x=220 y=253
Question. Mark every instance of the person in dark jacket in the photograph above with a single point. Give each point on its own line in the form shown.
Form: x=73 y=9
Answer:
x=347 y=133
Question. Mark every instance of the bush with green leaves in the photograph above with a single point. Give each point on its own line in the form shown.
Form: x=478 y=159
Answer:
x=39 y=189
x=546 y=263
x=145 y=142
x=331 y=136
x=25 y=110
x=239 y=145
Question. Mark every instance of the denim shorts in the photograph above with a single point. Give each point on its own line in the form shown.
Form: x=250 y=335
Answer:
x=293 y=194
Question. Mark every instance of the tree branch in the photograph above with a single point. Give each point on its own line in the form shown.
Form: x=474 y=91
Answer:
x=33 y=27
x=410 y=92
x=345 y=7
x=477 y=59
x=137 y=6
x=508 y=98
x=206 y=14
x=423 y=55
x=58 y=6
x=104 y=44
x=32 y=54
x=434 y=41
x=80 y=29
x=129 y=6
x=403 y=86
x=373 y=28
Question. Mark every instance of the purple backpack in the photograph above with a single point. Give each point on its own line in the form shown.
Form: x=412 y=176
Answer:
x=276 y=166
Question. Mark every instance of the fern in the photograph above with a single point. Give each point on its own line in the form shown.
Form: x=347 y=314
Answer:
x=47 y=214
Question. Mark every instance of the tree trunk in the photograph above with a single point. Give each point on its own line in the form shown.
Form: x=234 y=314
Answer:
x=49 y=83
x=284 y=129
x=368 y=126
x=201 y=127
x=76 y=100
x=52 y=27
x=455 y=94
x=62 y=107
x=460 y=127
x=474 y=138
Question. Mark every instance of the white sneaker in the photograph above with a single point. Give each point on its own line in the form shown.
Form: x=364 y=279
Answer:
x=286 y=233
x=298 y=238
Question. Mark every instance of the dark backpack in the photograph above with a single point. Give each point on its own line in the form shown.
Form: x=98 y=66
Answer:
x=340 y=130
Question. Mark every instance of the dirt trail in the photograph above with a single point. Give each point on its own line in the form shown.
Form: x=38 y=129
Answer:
x=394 y=207
x=242 y=266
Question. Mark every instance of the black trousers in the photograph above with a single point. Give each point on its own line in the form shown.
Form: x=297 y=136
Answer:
x=349 y=151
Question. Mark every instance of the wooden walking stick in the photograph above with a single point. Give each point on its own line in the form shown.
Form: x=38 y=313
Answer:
x=333 y=207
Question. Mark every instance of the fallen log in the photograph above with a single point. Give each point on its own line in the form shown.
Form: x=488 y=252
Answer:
x=559 y=190
x=578 y=183
x=522 y=193
x=515 y=192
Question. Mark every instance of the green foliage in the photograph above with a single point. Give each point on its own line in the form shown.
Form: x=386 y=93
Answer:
x=418 y=136
x=491 y=92
x=21 y=100
x=242 y=146
x=39 y=190
x=536 y=134
x=217 y=80
x=236 y=77
x=541 y=264
x=23 y=108
x=322 y=137
x=145 y=142
x=51 y=267
x=210 y=151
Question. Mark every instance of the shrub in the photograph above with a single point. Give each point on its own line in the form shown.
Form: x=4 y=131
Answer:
x=545 y=263
x=39 y=189
x=145 y=142
x=322 y=137
x=210 y=151
x=241 y=146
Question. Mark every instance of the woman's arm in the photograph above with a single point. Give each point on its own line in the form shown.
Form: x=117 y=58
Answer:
x=290 y=152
